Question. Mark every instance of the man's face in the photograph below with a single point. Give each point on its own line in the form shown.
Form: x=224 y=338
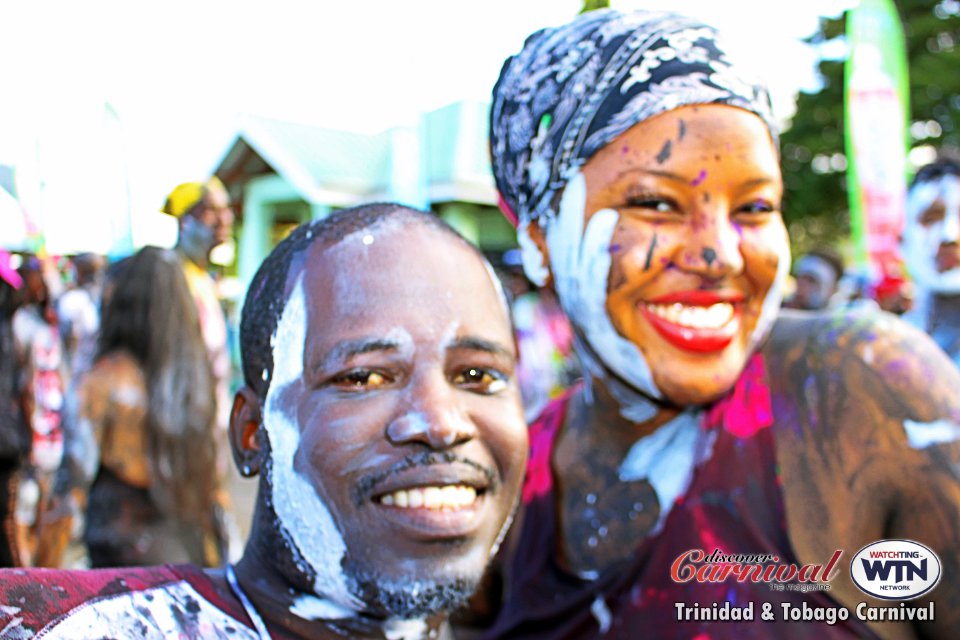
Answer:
x=394 y=419
x=816 y=283
x=931 y=238
x=209 y=224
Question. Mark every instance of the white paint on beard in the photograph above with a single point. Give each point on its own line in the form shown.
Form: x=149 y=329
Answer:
x=404 y=629
x=580 y=261
x=304 y=520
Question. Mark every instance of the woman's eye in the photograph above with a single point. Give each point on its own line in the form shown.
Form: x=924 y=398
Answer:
x=360 y=380
x=660 y=205
x=480 y=380
x=757 y=206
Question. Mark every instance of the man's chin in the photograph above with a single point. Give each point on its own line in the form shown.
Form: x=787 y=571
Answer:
x=409 y=597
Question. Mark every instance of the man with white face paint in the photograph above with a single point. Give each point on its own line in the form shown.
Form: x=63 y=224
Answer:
x=640 y=165
x=382 y=415
x=931 y=251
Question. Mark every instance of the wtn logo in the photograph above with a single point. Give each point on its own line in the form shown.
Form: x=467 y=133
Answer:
x=904 y=569
x=895 y=569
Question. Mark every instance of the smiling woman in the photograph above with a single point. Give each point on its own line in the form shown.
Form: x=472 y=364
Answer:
x=641 y=167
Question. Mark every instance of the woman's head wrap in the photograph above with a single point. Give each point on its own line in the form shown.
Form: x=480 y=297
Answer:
x=574 y=88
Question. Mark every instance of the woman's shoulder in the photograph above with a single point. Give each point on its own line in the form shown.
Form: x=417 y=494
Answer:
x=859 y=349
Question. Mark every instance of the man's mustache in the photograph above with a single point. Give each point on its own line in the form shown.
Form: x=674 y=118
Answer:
x=368 y=484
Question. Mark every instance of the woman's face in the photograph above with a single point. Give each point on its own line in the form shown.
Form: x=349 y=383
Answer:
x=699 y=250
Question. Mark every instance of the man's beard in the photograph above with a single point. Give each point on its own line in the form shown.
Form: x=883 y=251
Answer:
x=409 y=597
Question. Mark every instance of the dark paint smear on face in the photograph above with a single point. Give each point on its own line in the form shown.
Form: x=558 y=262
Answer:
x=683 y=130
x=700 y=178
x=706 y=198
x=664 y=154
x=614 y=248
x=653 y=245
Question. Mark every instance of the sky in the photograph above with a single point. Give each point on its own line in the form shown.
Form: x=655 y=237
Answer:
x=179 y=75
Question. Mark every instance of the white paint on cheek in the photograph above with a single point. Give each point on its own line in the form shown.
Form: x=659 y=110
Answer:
x=921 y=242
x=304 y=519
x=580 y=261
x=667 y=458
x=921 y=435
x=367 y=239
x=403 y=629
x=533 y=263
x=773 y=300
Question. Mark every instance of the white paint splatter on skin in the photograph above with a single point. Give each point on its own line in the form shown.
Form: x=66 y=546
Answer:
x=667 y=458
x=580 y=262
x=311 y=607
x=921 y=435
x=303 y=518
x=601 y=612
x=533 y=263
x=403 y=629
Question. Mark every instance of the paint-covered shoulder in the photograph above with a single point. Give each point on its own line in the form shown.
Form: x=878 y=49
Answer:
x=862 y=349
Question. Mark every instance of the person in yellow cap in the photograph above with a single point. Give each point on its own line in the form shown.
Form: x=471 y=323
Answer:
x=205 y=221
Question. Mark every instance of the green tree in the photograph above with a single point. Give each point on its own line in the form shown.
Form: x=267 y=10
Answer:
x=815 y=202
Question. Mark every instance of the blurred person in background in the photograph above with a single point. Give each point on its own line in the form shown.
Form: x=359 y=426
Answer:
x=144 y=439
x=817 y=274
x=78 y=310
x=205 y=221
x=43 y=381
x=14 y=430
x=544 y=338
x=931 y=252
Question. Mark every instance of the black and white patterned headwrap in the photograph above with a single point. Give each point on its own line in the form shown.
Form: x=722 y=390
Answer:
x=574 y=88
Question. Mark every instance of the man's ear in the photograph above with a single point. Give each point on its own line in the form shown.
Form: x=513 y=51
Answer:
x=538 y=237
x=245 y=418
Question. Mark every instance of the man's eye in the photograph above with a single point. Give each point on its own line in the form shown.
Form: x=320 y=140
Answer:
x=933 y=214
x=480 y=380
x=360 y=380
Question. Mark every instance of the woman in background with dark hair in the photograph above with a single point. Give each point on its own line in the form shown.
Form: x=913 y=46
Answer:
x=14 y=432
x=148 y=402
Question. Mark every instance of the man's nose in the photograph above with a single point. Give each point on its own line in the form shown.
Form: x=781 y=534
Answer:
x=950 y=232
x=433 y=419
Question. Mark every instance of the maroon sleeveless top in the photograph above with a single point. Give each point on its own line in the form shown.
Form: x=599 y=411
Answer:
x=733 y=504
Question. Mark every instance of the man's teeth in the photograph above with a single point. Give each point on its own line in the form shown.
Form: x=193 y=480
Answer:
x=437 y=498
x=696 y=317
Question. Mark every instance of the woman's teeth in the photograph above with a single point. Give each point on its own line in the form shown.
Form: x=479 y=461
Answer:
x=446 y=497
x=696 y=317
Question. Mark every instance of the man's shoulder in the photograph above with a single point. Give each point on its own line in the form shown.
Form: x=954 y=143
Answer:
x=148 y=602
